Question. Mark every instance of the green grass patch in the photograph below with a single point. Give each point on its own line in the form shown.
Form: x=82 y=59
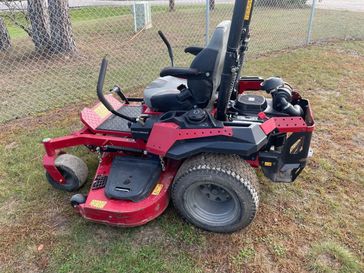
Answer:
x=181 y=230
x=85 y=15
x=245 y=255
x=329 y=257
x=110 y=250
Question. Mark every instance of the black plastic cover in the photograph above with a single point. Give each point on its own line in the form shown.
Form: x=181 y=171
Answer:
x=287 y=164
x=250 y=104
x=181 y=72
x=245 y=141
x=194 y=50
x=132 y=178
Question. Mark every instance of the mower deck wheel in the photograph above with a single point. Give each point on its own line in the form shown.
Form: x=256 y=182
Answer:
x=77 y=199
x=73 y=169
x=216 y=192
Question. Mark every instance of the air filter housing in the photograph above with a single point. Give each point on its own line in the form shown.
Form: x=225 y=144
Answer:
x=250 y=104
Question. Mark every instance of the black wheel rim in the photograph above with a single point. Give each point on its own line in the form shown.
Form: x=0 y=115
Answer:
x=68 y=177
x=212 y=204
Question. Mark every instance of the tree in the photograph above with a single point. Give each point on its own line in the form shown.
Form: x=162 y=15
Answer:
x=38 y=18
x=60 y=26
x=14 y=8
x=4 y=36
x=171 y=5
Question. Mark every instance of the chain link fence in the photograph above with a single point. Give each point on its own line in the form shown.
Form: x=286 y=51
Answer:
x=50 y=50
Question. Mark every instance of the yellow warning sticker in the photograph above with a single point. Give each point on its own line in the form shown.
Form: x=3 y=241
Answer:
x=157 y=189
x=248 y=10
x=101 y=111
x=268 y=164
x=98 y=203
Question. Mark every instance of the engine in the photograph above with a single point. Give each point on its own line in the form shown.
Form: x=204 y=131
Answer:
x=280 y=104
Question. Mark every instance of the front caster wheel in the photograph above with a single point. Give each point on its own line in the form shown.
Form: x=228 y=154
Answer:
x=216 y=192
x=78 y=199
x=73 y=169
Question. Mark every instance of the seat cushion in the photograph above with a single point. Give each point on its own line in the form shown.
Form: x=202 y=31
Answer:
x=162 y=86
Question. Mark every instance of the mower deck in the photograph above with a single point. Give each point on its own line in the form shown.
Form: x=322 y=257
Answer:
x=99 y=208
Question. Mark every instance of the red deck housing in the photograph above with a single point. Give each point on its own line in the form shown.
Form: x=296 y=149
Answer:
x=99 y=208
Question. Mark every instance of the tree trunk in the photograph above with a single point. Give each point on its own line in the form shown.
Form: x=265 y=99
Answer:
x=171 y=5
x=61 y=28
x=212 y=4
x=38 y=18
x=4 y=36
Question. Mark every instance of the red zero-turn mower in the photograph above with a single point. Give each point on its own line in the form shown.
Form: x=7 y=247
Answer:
x=195 y=137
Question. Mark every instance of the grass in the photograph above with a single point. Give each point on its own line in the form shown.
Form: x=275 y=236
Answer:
x=331 y=257
x=36 y=83
x=313 y=225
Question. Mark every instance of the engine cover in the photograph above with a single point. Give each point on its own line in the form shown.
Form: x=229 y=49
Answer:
x=250 y=104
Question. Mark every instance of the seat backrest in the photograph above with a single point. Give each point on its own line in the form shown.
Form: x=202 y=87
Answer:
x=211 y=60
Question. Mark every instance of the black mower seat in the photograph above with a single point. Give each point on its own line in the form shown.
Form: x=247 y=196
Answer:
x=163 y=86
x=183 y=88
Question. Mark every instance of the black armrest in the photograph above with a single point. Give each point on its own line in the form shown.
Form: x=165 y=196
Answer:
x=194 y=50
x=182 y=72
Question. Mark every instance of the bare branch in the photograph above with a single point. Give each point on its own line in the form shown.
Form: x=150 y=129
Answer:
x=15 y=22
x=15 y=7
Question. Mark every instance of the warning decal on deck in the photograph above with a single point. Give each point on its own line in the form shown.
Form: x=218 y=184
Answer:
x=98 y=203
x=157 y=189
x=101 y=110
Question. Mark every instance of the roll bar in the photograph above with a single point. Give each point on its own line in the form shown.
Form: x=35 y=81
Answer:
x=100 y=95
x=235 y=52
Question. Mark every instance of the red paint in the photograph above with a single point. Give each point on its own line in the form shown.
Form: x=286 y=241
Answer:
x=262 y=116
x=123 y=212
x=247 y=84
x=296 y=96
x=83 y=137
x=268 y=126
x=149 y=111
x=286 y=125
x=48 y=163
x=254 y=163
x=92 y=120
x=164 y=135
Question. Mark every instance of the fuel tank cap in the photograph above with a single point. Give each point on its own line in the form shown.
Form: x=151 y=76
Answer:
x=196 y=115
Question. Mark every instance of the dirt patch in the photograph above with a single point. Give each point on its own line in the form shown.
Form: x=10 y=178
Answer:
x=329 y=261
x=149 y=234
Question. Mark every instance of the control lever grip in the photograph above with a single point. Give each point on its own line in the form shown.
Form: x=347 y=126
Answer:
x=117 y=90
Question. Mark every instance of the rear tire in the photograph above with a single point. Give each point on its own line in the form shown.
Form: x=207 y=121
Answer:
x=73 y=169
x=216 y=192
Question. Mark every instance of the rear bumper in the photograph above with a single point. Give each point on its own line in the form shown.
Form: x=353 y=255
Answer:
x=287 y=164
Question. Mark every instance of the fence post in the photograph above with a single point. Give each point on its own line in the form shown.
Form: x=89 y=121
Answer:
x=207 y=21
x=310 y=22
